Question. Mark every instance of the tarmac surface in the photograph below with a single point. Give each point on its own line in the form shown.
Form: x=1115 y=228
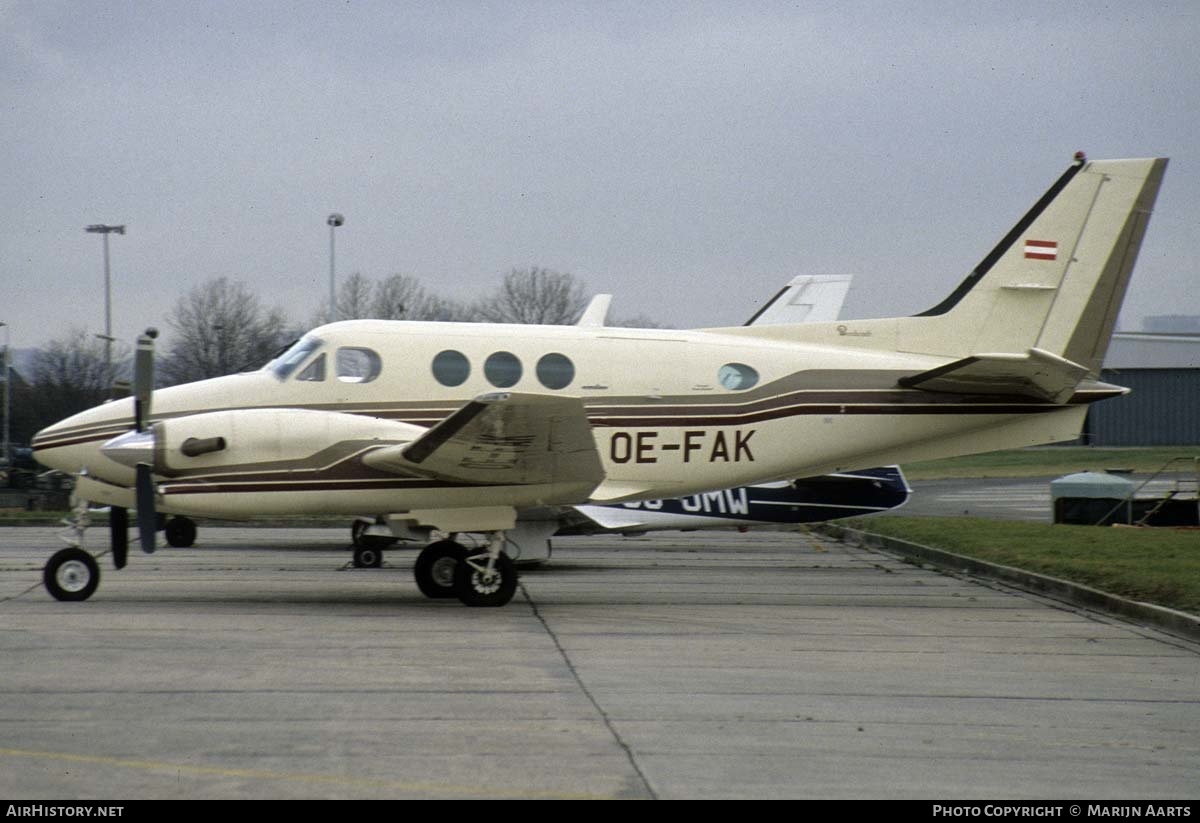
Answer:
x=998 y=499
x=1003 y=498
x=722 y=665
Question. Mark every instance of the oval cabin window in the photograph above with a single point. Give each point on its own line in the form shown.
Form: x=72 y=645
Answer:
x=737 y=376
x=451 y=368
x=502 y=369
x=555 y=371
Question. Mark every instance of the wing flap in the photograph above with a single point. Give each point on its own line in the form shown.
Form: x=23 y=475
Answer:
x=1036 y=374
x=505 y=438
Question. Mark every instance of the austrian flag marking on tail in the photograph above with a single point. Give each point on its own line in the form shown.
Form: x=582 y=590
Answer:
x=1041 y=249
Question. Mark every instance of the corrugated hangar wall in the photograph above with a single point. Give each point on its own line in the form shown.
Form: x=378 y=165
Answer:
x=1162 y=410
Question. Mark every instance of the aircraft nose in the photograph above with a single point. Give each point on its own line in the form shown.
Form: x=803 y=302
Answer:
x=50 y=450
x=131 y=448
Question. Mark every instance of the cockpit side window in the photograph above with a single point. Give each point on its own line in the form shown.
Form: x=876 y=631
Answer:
x=357 y=365
x=286 y=363
x=314 y=372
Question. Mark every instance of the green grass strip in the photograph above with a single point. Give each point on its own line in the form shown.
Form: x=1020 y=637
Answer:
x=1160 y=566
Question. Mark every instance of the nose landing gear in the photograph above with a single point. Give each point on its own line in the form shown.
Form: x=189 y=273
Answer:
x=71 y=575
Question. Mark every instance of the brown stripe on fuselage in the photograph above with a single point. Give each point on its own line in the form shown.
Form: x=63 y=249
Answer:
x=803 y=394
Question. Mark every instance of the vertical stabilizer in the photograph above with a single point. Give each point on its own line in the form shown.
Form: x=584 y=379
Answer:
x=1056 y=281
x=1051 y=288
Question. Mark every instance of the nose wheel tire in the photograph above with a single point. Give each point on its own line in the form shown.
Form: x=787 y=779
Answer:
x=434 y=569
x=71 y=574
x=477 y=585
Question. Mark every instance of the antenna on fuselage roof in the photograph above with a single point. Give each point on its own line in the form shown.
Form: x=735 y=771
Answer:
x=596 y=313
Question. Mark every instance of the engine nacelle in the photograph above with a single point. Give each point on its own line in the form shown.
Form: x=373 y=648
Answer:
x=258 y=440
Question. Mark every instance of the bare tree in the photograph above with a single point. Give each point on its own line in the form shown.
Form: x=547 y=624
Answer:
x=70 y=374
x=220 y=327
x=354 y=297
x=637 y=321
x=534 y=295
x=401 y=297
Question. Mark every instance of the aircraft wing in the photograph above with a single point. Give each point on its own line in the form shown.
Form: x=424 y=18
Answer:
x=503 y=438
x=1037 y=374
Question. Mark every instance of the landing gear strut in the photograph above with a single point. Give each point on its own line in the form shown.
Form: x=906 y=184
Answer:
x=485 y=579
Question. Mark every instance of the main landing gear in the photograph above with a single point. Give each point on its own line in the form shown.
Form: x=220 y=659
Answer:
x=477 y=577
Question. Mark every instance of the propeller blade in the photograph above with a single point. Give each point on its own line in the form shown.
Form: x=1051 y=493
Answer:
x=118 y=527
x=146 y=520
x=143 y=378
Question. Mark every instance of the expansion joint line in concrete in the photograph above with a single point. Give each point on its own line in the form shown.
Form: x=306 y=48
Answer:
x=588 y=694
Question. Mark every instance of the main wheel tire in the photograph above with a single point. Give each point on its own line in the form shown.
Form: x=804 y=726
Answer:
x=367 y=557
x=71 y=574
x=181 y=532
x=435 y=568
x=476 y=586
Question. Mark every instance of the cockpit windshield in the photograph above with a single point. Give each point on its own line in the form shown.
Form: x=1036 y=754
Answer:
x=286 y=363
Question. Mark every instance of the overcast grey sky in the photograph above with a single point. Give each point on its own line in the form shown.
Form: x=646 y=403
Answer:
x=688 y=157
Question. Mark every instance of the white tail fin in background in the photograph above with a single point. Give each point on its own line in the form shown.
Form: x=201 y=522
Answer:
x=808 y=298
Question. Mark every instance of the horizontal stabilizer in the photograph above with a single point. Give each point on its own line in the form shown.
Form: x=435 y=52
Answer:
x=503 y=438
x=1036 y=374
x=607 y=517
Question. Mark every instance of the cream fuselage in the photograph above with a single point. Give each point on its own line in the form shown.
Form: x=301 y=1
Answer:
x=664 y=422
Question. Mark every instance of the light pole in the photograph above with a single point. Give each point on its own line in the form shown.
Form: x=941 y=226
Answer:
x=100 y=228
x=334 y=220
x=7 y=392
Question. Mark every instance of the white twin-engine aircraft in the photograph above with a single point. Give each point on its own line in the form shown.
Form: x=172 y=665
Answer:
x=805 y=299
x=465 y=428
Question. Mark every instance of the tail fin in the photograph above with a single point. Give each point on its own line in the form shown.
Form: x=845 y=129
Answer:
x=1057 y=280
x=1053 y=285
x=808 y=298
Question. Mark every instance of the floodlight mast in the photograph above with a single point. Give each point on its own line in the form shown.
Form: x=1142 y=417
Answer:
x=334 y=220
x=7 y=393
x=100 y=228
